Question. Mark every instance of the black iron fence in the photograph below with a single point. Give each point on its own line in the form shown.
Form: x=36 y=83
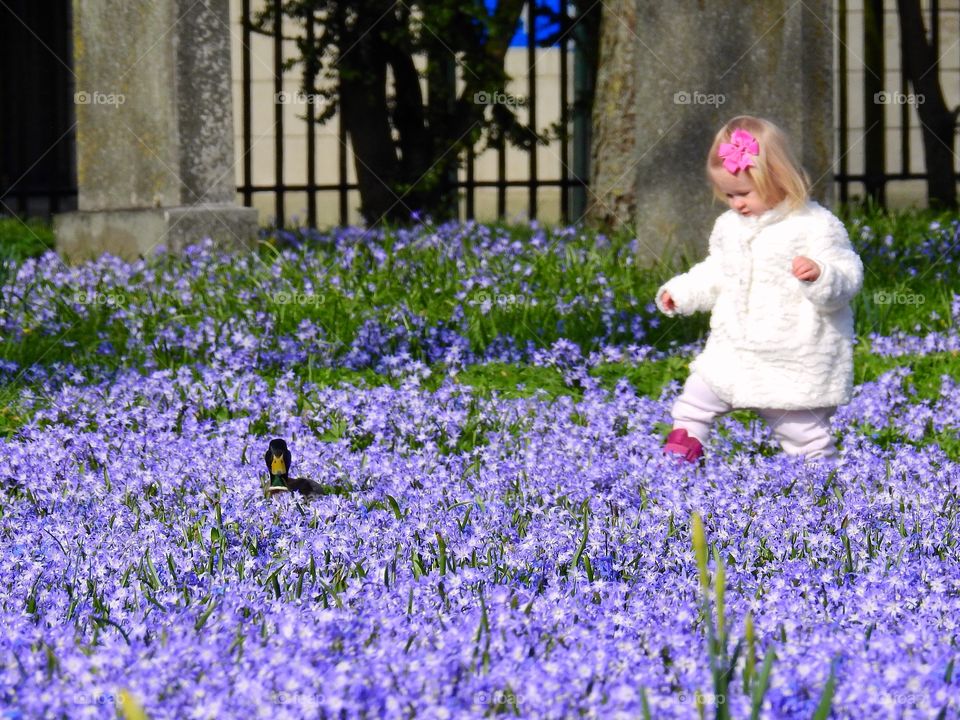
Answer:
x=879 y=145
x=878 y=122
x=575 y=93
x=37 y=140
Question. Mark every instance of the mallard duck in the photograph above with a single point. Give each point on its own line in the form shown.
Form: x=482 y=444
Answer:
x=278 y=461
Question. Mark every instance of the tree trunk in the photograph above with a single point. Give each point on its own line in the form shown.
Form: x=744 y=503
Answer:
x=406 y=146
x=612 y=198
x=874 y=120
x=938 y=122
x=438 y=185
x=408 y=116
x=362 y=72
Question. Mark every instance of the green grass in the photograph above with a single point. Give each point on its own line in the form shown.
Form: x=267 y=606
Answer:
x=426 y=283
x=514 y=381
x=913 y=272
x=508 y=380
x=20 y=239
x=902 y=224
x=924 y=379
x=648 y=378
x=428 y=286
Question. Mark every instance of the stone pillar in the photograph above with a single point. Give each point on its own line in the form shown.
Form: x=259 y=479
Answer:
x=671 y=75
x=155 y=157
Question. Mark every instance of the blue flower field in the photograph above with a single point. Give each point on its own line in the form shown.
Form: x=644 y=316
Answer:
x=496 y=532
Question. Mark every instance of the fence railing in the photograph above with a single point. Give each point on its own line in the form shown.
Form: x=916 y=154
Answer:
x=573 y=131
x=37 y=145
x=886 y=146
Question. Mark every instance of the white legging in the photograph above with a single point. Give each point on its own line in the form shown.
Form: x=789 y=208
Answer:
x=799 y=432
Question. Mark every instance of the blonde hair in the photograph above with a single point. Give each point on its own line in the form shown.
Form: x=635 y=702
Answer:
x=777 y=175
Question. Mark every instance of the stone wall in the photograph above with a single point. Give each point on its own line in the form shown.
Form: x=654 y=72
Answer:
x=155 y=154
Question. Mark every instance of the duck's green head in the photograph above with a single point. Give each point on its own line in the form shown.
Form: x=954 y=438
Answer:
x=277 y=459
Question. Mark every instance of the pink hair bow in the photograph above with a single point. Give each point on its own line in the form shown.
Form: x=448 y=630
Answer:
x=738 y=154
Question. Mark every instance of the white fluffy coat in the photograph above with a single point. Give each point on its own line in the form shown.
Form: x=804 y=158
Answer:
x=775 y=341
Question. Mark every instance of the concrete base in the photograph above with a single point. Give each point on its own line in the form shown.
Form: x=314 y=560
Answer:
x=133 y=233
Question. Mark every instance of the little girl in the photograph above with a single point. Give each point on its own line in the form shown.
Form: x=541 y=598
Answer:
x=778 y=279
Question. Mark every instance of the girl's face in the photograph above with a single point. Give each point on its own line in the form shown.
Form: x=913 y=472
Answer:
x=741 y=195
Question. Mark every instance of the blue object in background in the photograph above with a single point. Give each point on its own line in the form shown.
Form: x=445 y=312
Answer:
x=544 y=27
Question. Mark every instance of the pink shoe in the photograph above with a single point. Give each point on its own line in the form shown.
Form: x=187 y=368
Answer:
x=680 y=443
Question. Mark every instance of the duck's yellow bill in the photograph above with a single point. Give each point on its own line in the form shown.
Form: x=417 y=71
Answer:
x=278 y=466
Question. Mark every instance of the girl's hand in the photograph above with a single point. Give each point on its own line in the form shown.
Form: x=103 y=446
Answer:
x=667 y=301
x=805 y=269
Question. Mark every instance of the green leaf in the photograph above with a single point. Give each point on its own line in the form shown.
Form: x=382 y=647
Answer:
x=826 y=698
x=700 y=550
x=763 y=682
x=644 y=704
x=585 y=508
x=750 y=661
x=205 y=615
x=441 y=552
x=719 y=583
x=395 y=506
x=130 y=707
x=152 y=578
